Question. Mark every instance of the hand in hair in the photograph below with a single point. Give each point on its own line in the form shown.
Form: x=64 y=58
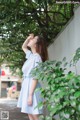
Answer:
x=24 y=46
x=30 y=36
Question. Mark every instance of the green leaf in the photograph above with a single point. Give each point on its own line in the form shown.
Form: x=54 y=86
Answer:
x=40 y=105
x=77 y=94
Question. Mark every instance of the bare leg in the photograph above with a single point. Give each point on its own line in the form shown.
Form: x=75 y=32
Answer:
x=36 y=117
x=30 y=116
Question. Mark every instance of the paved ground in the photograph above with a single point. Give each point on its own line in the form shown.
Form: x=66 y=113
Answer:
x=9 y=105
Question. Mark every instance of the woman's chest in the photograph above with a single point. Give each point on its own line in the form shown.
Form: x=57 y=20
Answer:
x=28 y=64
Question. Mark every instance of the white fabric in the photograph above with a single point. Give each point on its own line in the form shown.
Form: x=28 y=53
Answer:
x=32 y=61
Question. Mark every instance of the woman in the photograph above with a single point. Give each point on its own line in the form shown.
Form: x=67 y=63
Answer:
x=36 y=51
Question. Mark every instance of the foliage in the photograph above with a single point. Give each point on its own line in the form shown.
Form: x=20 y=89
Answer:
x=20 y=17
x=76 y=56
x=62 y=93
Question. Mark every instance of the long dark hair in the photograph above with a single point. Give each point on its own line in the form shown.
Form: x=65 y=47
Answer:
x=41 y=48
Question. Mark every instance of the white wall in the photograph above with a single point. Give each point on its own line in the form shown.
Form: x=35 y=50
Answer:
x=67 y=41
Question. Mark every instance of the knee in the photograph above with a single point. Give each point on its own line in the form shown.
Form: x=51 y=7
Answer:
x=36 y=117
x=30 y=116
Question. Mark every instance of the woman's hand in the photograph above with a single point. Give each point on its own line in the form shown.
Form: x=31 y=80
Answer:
x=31 y=36
x=24 y=46
x=30 y=100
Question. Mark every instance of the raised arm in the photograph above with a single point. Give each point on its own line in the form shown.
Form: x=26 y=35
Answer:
x=24 y=45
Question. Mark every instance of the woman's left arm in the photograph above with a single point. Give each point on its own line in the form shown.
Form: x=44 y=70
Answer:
x=34 y=82
x=30 y=97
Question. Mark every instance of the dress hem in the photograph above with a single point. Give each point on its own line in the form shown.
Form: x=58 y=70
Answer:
x=30 y=112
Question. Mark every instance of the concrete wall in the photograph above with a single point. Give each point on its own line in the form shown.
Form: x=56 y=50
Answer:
x=67 y=41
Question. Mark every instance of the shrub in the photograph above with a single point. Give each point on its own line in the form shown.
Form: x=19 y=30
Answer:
x=62 y=93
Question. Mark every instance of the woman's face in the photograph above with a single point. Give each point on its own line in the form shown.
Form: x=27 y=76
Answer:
x=32 y=42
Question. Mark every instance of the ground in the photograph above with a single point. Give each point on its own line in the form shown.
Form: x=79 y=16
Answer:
x=9 y=105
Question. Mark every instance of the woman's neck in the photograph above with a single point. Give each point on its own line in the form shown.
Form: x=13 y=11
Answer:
x=33 y=50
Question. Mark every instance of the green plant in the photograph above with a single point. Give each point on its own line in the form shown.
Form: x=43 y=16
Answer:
x=76 y=56
x=62 y=93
